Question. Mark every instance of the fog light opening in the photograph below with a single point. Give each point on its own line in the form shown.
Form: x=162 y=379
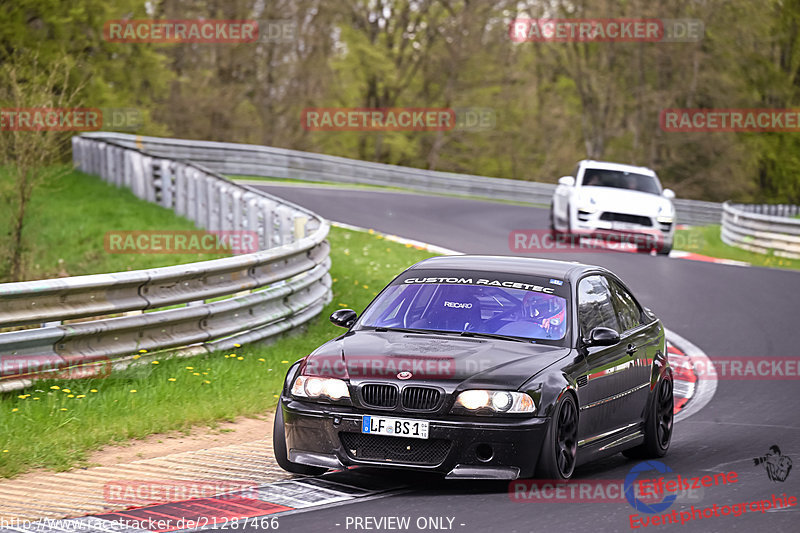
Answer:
x=484 y=452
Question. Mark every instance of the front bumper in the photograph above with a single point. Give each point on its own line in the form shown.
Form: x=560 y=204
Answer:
x=649 y=233
x=459 y=447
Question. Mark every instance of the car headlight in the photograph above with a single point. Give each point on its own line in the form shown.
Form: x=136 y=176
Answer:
x=317 y=387
x=663 y=219
x=497 y=401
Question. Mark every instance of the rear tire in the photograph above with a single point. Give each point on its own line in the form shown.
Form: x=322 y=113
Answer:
x=560 y=450
x=658 y=425
x=281 y=455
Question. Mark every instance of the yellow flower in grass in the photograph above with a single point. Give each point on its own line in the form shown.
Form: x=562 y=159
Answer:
x=137 y=356
x=14 y=410
x=195 y=373
x=153 y=362
x=284 y=361
x=240 y=358
x=262 y=359
x=142 y=351
x=55 y=387
x=206 y=382
x=36 y=398
x=133 y=391
x=5 y=451
x=22 y=396
x=66 y=390
x=366 y=286
x=189 y=368
x=70 y=395
x=172 y=379
x=93 y=390
x=63 y=408
x=80 y=396
x=237 y=345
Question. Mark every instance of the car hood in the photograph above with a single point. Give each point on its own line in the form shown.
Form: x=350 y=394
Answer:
x=449 y=361
x=625 y=201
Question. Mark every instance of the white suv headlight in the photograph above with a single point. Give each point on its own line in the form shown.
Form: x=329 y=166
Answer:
x=497 y=401
x=316 y=387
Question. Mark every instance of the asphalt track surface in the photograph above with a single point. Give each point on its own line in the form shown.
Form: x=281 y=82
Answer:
x=728 y=311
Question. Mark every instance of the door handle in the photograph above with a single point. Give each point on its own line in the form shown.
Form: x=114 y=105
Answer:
x=631 y=349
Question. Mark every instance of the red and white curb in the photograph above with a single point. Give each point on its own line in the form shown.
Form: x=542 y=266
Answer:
x=254 y=507
x=691 y=393
x=691 y=256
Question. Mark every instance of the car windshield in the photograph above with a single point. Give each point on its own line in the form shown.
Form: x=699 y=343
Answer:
x=617 y=179
x=470 y=309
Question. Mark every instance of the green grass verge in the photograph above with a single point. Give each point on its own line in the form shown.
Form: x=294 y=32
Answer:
x=68 y=219
x=706 y=240
x=45 y=427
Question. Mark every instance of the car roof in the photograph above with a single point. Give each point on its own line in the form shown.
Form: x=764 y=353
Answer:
x=607 y=165
x=565 y=270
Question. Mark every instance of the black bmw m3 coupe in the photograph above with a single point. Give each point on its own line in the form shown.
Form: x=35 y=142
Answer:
x=483 y=367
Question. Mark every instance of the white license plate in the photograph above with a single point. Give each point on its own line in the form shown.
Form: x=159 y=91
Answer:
x=394 y=427
x=624 y=226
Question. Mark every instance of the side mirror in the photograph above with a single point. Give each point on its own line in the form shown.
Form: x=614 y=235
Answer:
x=567 y=181
x=602 y=336
x=669 y=194
x=344 y=318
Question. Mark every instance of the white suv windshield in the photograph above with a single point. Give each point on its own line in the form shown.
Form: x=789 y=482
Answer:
x=617 y=179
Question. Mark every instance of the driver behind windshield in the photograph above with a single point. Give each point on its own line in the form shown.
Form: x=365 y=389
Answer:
x=541 y=316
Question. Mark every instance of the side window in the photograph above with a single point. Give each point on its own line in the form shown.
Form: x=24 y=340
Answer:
x=594 y=305
x=628 y=311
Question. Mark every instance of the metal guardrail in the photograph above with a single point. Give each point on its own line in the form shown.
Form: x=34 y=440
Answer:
x=270 y=291
x=253 y=160
x=746 y=227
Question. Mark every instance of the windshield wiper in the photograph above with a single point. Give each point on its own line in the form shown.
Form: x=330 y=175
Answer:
x=495 y=336
x=459 y=333
x=409 y=330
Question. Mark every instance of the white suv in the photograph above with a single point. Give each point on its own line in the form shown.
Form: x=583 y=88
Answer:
x=610 y=198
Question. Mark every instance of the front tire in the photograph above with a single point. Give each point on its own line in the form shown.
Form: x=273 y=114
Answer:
x=658 y=425
x=279 y=448
x=559 y=454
